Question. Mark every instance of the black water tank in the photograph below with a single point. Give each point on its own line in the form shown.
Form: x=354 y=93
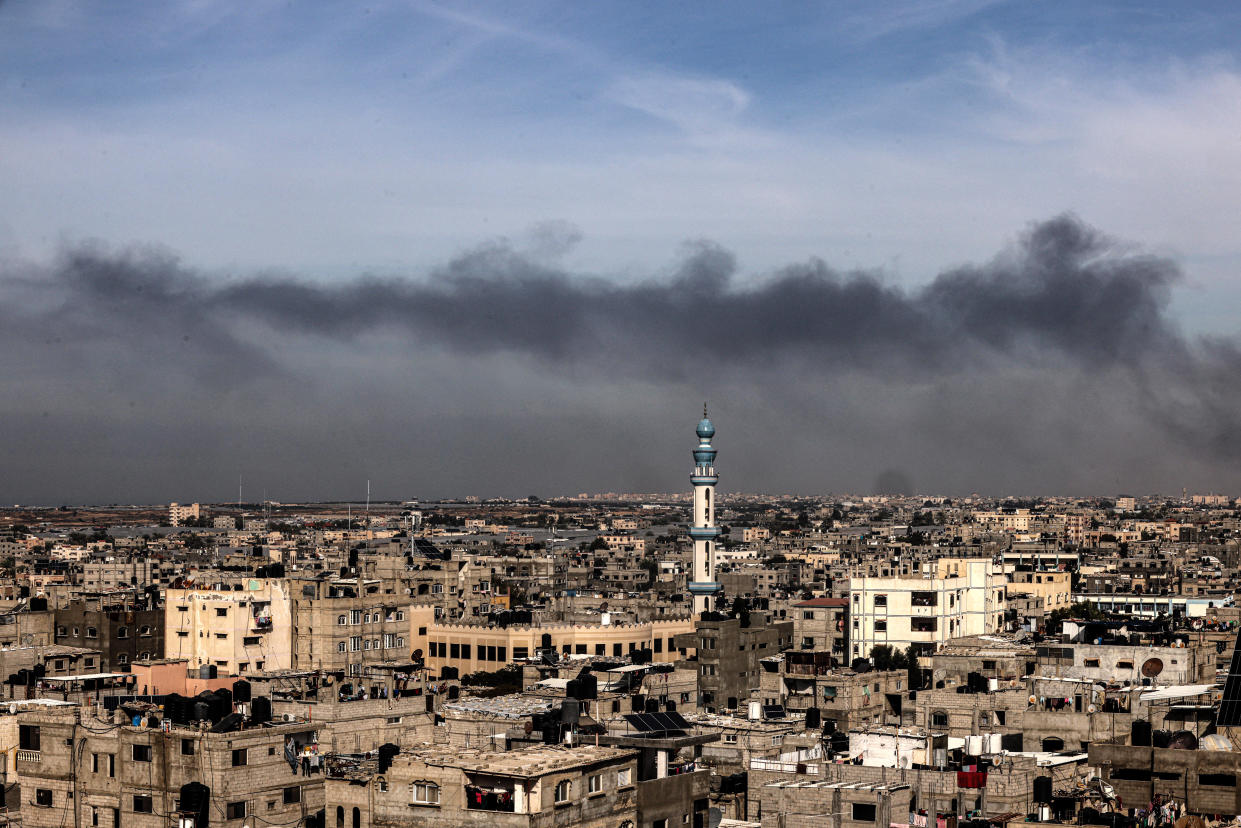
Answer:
x=241 y=691
x=1042 y=789
x=38 y=604
x=196 y=799
x=1140 y=733
x=635 y=704
x=260 y=710
x=386 y=752
x=1161 y=738
x=454 y=692
x=670 y=706
x=652 y=706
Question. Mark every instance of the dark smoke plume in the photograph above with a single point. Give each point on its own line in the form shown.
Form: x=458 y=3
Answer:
x=1060 y=342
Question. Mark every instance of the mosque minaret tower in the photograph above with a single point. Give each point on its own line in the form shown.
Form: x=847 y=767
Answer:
x=703 y=586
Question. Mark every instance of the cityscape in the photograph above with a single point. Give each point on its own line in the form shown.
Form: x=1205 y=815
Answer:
x=681 y=659
x=440 y=413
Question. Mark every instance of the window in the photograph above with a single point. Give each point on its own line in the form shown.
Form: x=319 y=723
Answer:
x=292 y=795
x=239 y=757
x=122 y=632
x=624 y=777
x=594 y=784
x=881 y=626
x=1124 y=665
x=145 y=631
x=221 y=612
x=187 y=747
x=340 y=620
x=1092 y=662
x=730 y=738
x=382 y=784
x=235 y=810
x=43 y=797
x=425 y=793
x=221 y=636
x=1218 y=780
x=939 y=719
x=564 y=789
x=863 y=812
x=521 y=652
x=142 y=753
x=28 y=737
x=988 y=664
x=355 y=616
x=355 y=643
x=881 y=600
x=340 y=646
x=91 y=632
x=143 y=805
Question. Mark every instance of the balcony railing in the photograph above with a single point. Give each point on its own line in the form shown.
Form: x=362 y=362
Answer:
x=29 y=756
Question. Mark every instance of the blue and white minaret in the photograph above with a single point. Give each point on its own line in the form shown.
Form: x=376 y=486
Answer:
x=703 y=586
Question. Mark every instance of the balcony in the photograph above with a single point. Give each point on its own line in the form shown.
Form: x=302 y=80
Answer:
x=29 y=756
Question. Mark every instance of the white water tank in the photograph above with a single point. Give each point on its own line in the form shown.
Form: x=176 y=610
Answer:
x=755 y=711
x=993 y=685
x=995 y=743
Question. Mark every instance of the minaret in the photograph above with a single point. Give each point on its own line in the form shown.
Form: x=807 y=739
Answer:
x=703 y=585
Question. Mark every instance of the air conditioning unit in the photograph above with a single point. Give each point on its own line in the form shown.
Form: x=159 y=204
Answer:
x=288 y=717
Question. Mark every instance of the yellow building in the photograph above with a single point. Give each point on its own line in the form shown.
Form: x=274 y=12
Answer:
x=1055 y=588
x=234 y=630
x=474 y=647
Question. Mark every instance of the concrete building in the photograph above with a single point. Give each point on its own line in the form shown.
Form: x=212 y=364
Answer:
x=546 y=786
x=119 y=775
x=234 y=630
x=178 y=513
x=728 y=656
x=473 y=647
x=822 y=624
x=954 y=597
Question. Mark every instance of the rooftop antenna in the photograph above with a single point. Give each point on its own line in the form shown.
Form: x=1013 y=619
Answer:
x=239 y=491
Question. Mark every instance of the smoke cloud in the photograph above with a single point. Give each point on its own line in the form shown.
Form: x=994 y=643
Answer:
x=1054 y=367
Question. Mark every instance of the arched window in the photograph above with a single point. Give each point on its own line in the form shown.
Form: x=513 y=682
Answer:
x=357 y=818
x=122 y=632
x=340 y=646
x=340 y=620
x=424 y=793
x=564 y=790
x=145 y=656
x=122 y=659
x=146 y=630
x=340 y=817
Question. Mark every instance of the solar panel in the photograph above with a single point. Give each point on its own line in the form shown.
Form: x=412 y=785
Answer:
x=1229 y=714
x=773 y=711
x=657 y=722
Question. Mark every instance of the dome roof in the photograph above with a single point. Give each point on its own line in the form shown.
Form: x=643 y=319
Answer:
x=705 y=429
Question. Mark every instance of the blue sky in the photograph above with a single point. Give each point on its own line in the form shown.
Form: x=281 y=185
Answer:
x=328 y=138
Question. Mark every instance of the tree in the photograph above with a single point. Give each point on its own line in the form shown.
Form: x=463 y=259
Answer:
x=886 y=657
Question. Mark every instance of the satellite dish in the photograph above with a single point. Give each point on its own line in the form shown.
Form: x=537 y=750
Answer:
x=714 y=817
x=1152 y=667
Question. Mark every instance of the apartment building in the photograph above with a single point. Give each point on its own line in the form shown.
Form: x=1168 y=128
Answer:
x=549 y=786
x=239 y=629
x=952 y=598
x=125 y=776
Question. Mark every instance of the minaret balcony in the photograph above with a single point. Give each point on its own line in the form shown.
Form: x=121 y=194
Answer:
x=704 y=532
x=704 y=479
